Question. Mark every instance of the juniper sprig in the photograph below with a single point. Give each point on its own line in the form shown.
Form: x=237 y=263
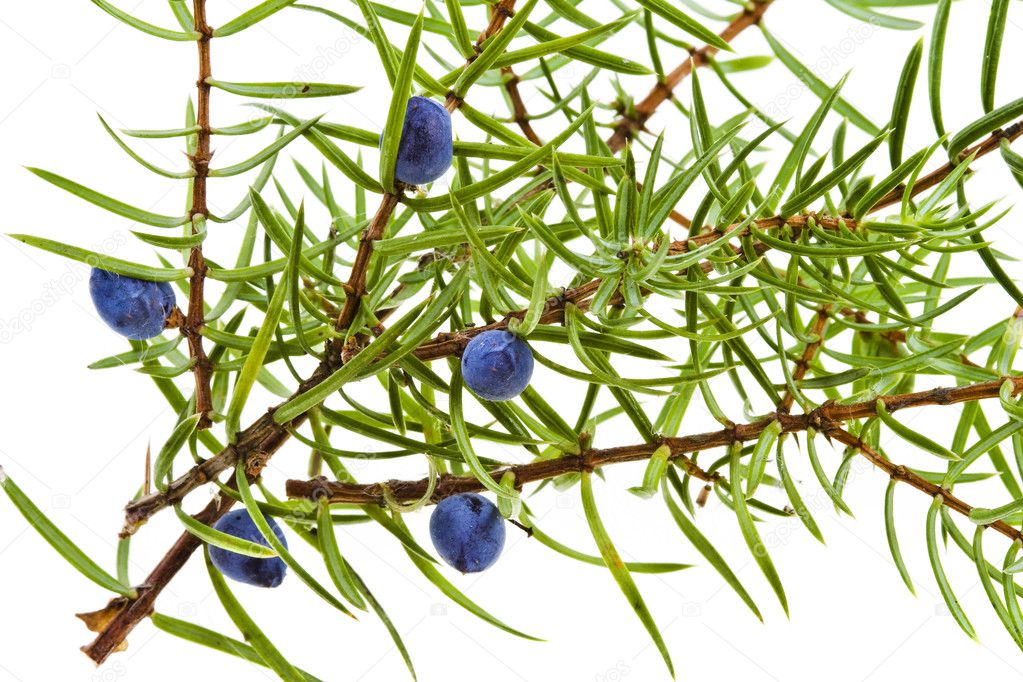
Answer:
x=805 y=296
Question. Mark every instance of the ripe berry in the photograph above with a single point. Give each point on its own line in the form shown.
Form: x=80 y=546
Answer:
x=468 y=532
x=425 y=150
x=135 y=308
x=250 y=570
x=497 y=365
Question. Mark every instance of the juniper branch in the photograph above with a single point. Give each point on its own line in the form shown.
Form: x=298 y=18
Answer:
x=252 y=449
x=499 y=14
x=629 y=124
x=356 y=287
x=985 y=146
x=519 y=113
x=826 y=418
x=802 y=365
x=256 y=444
x=452 y=343
x=906 y=475
x=191 y=326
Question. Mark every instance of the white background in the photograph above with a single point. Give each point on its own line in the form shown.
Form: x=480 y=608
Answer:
x=75 y=439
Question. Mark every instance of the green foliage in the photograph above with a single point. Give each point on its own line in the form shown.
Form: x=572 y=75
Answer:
x=800 y=279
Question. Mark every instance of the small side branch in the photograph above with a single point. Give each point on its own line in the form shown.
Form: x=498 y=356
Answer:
x=901 y=473
x=985 y=146
x=820 y=322
x=519 y=113
x=826 y=418
x=191 y=327
x=627 y=125
x=338 y=492
x=499 y=14
x=356 y=288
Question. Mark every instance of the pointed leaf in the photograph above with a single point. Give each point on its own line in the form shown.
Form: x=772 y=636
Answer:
x=251 y=17
x=283 y=90
x=112 y=205
x=618 y=569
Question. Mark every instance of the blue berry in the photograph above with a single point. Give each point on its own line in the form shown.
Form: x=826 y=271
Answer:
x=468 y=532
x=250 y=570
x=135 y=308
x=497 y=365
x=425 y=150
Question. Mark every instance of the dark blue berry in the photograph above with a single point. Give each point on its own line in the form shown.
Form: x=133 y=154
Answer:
x=250 y=570
x=497 y=365
x=425 y=150
x=468 y=532
x=135 y=308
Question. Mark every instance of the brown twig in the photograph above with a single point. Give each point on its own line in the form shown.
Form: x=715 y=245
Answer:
x=820 y=321
x=499 y=14
x=338 y=492
x=627 y=125
x=901 y=473
x=826 y=419
x=985 y=146
x=357 y=279
x=253 y=449
x=519 y=113
x=119 y=617
x=797 y=222
x=191 y=325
